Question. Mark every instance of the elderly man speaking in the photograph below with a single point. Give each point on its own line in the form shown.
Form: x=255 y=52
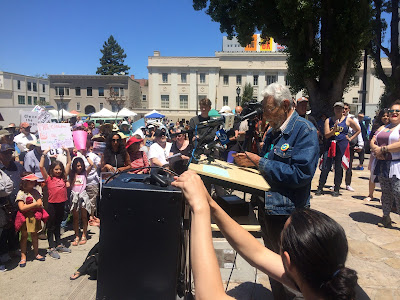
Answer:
x=288 y=162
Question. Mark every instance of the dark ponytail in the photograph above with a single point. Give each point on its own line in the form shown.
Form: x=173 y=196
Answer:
x=318 y=248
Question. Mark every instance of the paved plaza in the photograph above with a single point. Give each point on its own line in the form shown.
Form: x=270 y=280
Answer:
x=374 y=254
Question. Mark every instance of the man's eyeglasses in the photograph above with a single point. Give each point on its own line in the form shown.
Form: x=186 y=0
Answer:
x=394 y=111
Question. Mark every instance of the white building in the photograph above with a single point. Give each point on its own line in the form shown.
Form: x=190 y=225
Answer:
x=177 y=83
x=20 y=93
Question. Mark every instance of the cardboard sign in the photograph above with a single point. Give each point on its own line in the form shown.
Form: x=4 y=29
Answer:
x=31 y=117
x=99 y=147
x=55 y=135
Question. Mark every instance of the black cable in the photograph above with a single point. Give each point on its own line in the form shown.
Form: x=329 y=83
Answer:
x=229 y=279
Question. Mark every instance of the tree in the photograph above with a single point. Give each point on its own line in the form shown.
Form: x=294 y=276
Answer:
x=247 y=95
x=323 y=39
x=112 y=61
x=391 y=80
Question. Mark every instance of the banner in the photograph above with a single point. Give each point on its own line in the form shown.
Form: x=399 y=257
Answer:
x=55 y=135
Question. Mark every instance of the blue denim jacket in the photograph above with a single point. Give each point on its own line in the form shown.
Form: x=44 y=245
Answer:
x=290 y=166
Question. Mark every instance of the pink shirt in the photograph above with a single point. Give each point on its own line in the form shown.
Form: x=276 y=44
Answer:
x=57 y=189
x=79 y=184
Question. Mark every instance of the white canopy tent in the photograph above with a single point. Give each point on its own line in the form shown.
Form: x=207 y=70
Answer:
x=61 y=113
x=126 y=113
x=104 y=113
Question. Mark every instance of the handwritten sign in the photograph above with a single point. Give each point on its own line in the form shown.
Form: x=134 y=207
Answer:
x=31 y=117
x=55 y=135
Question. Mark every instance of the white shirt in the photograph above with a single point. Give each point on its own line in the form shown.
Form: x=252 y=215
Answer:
x=22 y=140
x=156 y=151
x=360 y=141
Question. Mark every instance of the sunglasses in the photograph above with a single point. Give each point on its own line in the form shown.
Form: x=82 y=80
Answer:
x=394 y=111
x=116 y=140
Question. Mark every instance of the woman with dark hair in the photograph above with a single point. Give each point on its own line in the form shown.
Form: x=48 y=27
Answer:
x=312 y=256
x=115 y=158
x=381 y=119
x=386 y=148
x=138 y=158
x=180 y=146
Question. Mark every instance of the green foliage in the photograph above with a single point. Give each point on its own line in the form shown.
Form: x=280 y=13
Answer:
x=247 y=95
x=112 y=61
x=324 y=39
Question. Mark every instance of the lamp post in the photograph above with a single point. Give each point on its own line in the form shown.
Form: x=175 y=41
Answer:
x=238 y=97
x=62 y=104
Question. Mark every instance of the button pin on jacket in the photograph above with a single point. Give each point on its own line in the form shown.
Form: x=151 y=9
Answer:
x=284 y=147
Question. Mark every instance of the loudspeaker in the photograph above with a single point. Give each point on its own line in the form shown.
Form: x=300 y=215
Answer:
x=141 y=238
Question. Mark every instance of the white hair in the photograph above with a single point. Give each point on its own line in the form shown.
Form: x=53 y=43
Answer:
x=279 y=92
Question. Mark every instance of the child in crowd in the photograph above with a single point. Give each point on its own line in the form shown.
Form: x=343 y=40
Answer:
x=29 y=200
x=57 y=184
x=79 y=197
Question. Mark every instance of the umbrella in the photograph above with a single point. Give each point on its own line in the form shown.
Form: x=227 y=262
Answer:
x=104 y=113
x=126 y=113
x=80 y=114
x=154 y=115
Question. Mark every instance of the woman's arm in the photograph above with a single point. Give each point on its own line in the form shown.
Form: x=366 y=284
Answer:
x=127 y=163
x=156 y=162
x=41 y=165
x=25 y=207
x=68 y=166
x=91 y=165
x=355 y=127
x=328 y=132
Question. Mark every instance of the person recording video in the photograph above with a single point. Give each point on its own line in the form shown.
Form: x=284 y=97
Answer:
x=288 y=162
x=311 y=256
x=203 y=135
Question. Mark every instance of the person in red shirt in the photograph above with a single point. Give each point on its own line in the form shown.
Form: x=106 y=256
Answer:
x=138 y=158
x=57 y=184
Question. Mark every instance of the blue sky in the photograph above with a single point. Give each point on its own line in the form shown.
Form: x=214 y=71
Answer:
x=55 y=36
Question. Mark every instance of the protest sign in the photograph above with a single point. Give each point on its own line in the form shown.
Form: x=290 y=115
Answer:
x=99 y=147
x=55 y=135
x=31 y=117
x=136 y=125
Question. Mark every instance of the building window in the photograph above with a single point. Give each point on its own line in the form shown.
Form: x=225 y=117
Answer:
x=165 y=77
x=144 y=97
x=34 y=86
x=101 y=105
x=101 y=92
x=355 y=100
x=77 y=91
x=35 y=100
x=29 y=100
x=78 y=106
x=19 y=84
x=183 y=101
x=29 y=86
x=89 y=92
x=21 y=99
x=287 y=82
x=202 y=77
x=255 y=80
x=60 y=90
x=118 y=91
x=164 y=101
x=226 y=79
x=239 y=79
x=270 y=79
x=183 y=77
x=43 y=88
x=42 y=100
x=121 y=92
x=224 y=100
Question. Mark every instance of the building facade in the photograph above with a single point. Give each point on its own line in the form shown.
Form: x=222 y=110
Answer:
x=177 y=83
x=91 y=93
x=21 y=93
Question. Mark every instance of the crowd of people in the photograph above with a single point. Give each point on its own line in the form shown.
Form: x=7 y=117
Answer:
x=40 y=190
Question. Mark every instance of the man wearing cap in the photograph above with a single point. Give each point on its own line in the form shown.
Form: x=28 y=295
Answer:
x=24 y=138
x=301 y=108
x=288 y=162
x=159 y=150
x=125 y=128
x=203 y=135
x=11 y=129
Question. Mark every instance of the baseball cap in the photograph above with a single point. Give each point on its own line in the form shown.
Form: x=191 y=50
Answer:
x=10 y=126
x=339 y=103
x=132 y=140
x=24 y=125
x=302 y=99
x=124 y=123
x=4 y=133
x=6 y=147
x=160 y=132
x=30 y=177
x=225 y=109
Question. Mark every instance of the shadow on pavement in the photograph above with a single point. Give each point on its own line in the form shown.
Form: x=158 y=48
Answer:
x=362 y=177
x=364 y=217
x=250 y=290
x=360 y=294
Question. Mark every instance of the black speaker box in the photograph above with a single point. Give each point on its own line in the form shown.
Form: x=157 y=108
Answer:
x=140 y=239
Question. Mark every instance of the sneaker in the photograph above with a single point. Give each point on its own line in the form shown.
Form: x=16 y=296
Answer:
x=53 y=253
x=3 y=268
x=359 y=168
x=349 y=188
x=63 y=249
x=335 y=194
x=332 y=188
x=318 y=192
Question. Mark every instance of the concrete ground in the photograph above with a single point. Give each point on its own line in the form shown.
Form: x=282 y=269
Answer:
x=374 y=253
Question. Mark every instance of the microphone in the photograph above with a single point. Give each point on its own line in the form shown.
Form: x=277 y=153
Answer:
x=253 y=113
